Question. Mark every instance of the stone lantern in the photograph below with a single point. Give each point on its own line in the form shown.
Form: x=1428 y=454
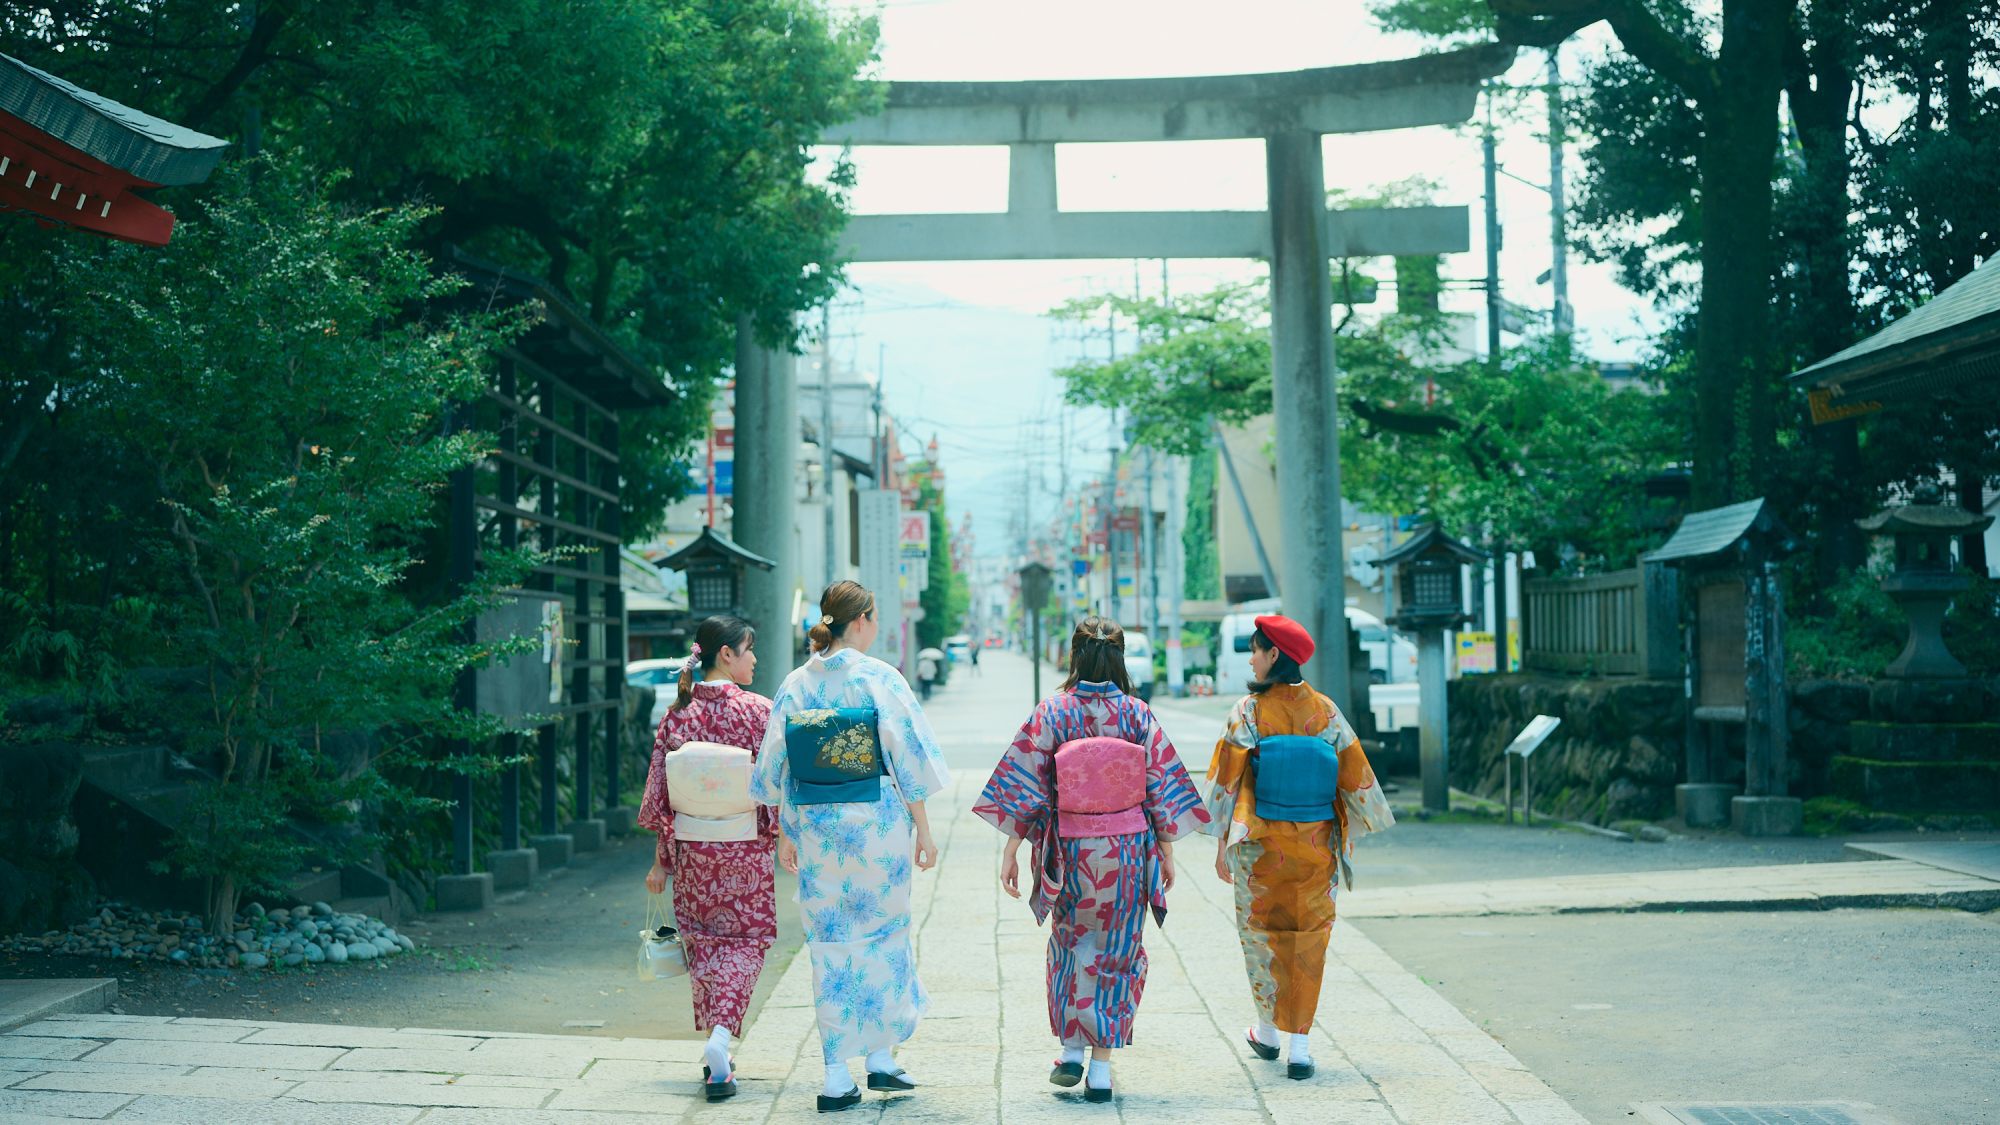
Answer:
x=715 y=567
x=1925 y=580
x=1430 y=597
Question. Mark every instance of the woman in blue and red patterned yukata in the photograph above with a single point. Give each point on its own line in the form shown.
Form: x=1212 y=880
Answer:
x=1092 y=781
x=714 y=840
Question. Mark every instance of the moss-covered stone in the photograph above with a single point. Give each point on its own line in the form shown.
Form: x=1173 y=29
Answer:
x=1924 y=742
x=1961 y=786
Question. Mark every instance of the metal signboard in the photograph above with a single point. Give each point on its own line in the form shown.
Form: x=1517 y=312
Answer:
x=881 y=567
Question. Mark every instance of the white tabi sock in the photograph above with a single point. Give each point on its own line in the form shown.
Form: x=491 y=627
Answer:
x=1301 y=1048
x=716 y=1054
x=882 y=1061
x=1267 y=1034
x=1099 y=1076
x=1072 y=1054
x=838 y=1080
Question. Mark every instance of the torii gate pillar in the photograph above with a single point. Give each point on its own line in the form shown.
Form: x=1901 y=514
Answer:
x=764 y=498
x=1312 y=565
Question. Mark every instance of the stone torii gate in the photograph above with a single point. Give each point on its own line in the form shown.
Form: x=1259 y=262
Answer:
x=1297 y=235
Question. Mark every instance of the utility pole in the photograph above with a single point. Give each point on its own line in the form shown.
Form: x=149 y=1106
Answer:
x=826 y=431
x=881 y=444
x=1111 y=479
x=1492 y=239
x=1565 y=318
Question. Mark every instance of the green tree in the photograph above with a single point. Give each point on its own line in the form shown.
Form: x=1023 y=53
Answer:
x=648 y=157
x=1539 y=452
x=947 y=595
x=295 y=426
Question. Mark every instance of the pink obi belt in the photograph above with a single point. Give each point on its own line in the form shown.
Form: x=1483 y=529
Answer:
x=1100 y=788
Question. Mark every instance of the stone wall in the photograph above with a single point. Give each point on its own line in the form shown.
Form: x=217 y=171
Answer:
x=1615 y=757
x=1619 y=752
x=42 y=886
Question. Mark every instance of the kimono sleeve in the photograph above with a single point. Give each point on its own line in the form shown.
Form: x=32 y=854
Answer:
x=1173 y=805
x=754 y=714
x=1016 y=797
x=1228 y=769
x=1364 y=808
x=655 y=810
x=771 y=783
x=915 y=761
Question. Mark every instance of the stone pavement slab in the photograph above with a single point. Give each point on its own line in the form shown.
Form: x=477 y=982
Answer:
x=25 y=1001
x=1967 y=857
x=1788 y=886
x=1389 y=1048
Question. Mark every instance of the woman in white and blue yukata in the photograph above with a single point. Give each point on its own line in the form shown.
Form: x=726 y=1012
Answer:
x=849 y=760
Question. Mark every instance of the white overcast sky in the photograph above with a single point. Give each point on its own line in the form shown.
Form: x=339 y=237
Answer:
x=965 y=352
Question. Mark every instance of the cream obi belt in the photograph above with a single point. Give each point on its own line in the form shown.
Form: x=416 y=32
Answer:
x=1100 y=788
x=836 y=756
x=1297 y=778
x=708 y=785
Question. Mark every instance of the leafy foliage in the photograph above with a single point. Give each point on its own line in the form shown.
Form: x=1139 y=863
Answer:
x=1540 y=452
x=294 y=426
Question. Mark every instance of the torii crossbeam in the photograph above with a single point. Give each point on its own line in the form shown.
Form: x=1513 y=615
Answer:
x=1290 y=112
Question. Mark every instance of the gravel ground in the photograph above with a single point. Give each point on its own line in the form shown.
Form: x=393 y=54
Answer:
x=560 y=958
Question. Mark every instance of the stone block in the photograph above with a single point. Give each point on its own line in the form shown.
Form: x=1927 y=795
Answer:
x=1704 y=804
x=25 y=1001
x=620 y=821
x=464 y=892
x=1925 y=742
x=512 y=868
x=554 y=851
x=1767 y=816
x=587 y=834
x=1969 y=786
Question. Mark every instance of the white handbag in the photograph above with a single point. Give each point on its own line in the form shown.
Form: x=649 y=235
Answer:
x=708 y=785
x=660 y=954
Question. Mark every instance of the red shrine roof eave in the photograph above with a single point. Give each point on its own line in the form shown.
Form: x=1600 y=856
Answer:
x=77 y=158
x=41 y=175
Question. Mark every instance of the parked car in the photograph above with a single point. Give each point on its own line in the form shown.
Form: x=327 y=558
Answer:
x=660 y=675
x=958 y=649
x=1139 y=664
x=1392 y=657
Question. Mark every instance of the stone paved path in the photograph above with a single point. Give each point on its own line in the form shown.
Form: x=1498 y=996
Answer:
x=1389 y=1048
x=1785 y=886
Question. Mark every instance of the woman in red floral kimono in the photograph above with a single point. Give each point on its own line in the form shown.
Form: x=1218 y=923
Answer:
x=1092 y=780
x=718 y=855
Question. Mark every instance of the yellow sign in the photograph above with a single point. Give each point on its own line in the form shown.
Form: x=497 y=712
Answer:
x=1475 y=653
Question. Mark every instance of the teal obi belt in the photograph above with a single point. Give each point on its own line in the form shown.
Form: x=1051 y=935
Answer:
x=836 y=756
x=1297 y=778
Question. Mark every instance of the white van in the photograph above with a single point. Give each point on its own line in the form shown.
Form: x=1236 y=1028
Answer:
x=1392 y=657
x=1139 y=664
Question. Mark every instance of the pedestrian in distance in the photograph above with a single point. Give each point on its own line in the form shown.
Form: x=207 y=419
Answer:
x=976 y=646
x=1290 y=792
x=927 y=671
x=1092 y=780
x=714 y=841
x=849 y=760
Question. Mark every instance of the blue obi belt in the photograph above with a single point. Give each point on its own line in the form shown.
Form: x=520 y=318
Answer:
x=1297 y=778
x=836 y=756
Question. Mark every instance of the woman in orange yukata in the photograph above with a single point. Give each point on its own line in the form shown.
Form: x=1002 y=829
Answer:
x=1290 y=792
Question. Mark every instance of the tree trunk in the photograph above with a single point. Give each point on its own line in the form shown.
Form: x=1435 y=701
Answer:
x=1819 y=95
x=222 y=895
x=1735 y=419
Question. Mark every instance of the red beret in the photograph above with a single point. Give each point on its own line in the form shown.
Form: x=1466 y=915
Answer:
x=1287 y=636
